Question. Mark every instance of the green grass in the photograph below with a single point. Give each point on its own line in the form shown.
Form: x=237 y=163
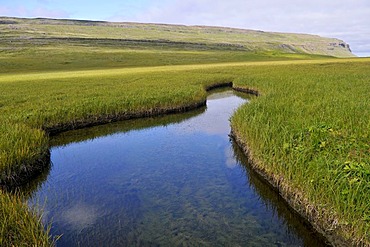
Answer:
x=309 y=129
x=89 y=56
x=40 y=32
x=20 y=226
x=310 y=126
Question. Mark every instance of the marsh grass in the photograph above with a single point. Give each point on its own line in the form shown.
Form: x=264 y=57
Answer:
x=20 y=226
x=311 y=131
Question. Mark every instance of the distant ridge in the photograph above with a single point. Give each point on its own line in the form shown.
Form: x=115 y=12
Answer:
x=202 y=37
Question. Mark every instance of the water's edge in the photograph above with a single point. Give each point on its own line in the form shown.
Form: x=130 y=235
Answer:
x=293 y=199
x=298 y=205
x=100 y=134
x=51 y=131
x=32 y=169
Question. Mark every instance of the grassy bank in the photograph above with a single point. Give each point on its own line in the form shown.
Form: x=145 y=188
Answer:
x=309 y=135
x=309 y=128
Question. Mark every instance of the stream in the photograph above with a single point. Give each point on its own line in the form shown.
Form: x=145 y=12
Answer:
x=176 y=180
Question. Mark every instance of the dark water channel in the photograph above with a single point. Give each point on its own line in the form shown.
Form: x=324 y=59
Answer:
x=170 y=181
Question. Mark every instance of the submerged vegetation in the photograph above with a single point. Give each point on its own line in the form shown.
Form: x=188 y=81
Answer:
x=308 y=131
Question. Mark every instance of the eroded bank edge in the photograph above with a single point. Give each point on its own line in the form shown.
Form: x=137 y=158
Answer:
x=295 y=200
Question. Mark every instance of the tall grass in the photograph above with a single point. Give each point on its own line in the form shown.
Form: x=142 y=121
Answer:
x=20 y=226
x=310 y=132
x=22 y=150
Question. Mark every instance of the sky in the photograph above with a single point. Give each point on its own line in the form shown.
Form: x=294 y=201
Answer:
x=348 y=20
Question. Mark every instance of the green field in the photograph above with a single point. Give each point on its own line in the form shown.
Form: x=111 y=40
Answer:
x=308 y=132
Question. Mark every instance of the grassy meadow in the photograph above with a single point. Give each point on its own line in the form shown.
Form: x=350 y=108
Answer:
x=308 y=131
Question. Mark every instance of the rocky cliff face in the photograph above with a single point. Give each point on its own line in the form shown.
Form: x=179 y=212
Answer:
x=336 y=48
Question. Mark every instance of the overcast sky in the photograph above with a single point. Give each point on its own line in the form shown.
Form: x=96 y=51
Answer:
x=348 y=20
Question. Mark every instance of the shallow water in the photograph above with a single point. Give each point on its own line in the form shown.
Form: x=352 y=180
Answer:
x=171 y=181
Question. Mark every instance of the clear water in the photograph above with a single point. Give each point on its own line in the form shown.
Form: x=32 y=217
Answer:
x=171 y=181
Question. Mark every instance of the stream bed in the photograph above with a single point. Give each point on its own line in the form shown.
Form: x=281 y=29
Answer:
x=177 y=180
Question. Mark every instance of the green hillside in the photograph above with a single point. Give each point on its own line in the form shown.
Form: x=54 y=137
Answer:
x=42 y=31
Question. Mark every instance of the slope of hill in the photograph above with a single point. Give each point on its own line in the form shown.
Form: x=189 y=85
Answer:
x=42 y=30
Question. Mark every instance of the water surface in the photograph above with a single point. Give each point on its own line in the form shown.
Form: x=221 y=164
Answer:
x=171 y=181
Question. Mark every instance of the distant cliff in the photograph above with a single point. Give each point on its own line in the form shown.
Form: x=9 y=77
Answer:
x=202 y=37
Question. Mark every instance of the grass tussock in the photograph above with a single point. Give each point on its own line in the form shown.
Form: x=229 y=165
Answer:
x=22 y=149
x=20 y=226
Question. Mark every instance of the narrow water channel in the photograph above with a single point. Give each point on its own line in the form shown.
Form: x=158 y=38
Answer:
x=170 y=181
